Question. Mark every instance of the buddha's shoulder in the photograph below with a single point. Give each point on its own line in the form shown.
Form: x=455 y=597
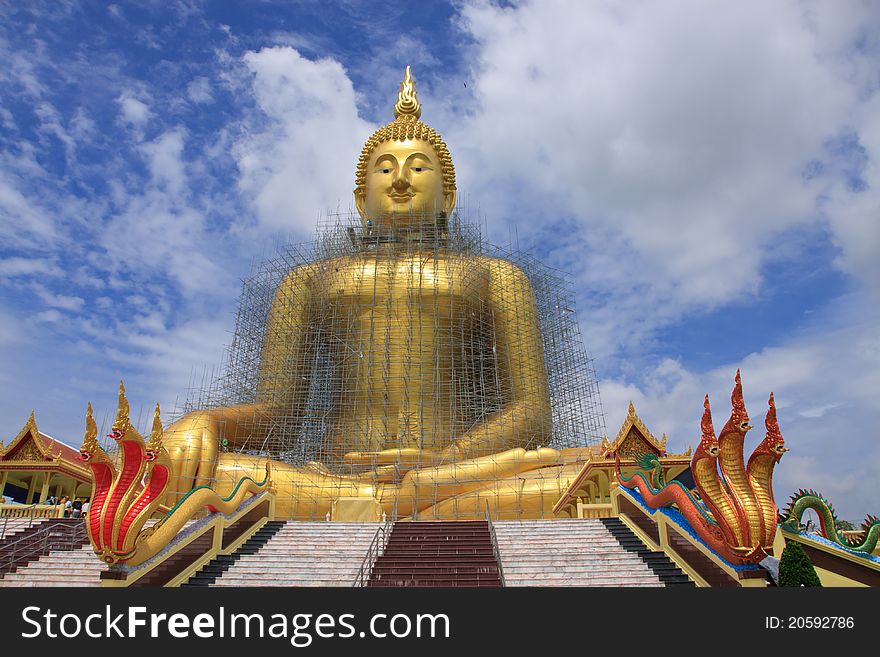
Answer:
x=355 y=264
x=307 y=271
x=500 y=266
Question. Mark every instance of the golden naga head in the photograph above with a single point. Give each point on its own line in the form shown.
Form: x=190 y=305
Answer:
x=405 y=173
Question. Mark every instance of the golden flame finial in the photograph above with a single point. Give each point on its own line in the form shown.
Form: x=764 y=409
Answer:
x=90 y=440
x=739 y=413
x=407 y=102
x=706 y=424
x=122 y=422
x=774 y=435
x=156 y=433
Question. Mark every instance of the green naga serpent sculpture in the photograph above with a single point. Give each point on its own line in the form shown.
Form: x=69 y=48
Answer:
x=810 y=499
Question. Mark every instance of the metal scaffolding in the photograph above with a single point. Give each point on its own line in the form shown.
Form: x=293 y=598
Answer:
x=367 y=339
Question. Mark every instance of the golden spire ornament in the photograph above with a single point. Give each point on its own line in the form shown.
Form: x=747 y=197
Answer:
x=407 y=104
x=122 y=422
x=90 y=440
x=156 y=434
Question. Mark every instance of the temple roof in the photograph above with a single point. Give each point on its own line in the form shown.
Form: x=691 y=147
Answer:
x=32 y=445
x=633 y=438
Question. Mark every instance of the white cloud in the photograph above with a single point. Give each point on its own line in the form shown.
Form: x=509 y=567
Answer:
x=48 y=316
x=11 y=327
x=199 y=90
x=17 y=266
x=164 y=160
x=681 y=130
x=302 y=162
x=134 y=111
x=22 y=220
x=63 y=301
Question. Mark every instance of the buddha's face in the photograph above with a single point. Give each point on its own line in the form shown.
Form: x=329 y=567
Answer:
x=404 y=184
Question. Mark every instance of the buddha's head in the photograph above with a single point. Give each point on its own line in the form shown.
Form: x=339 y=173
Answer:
x=405 y=176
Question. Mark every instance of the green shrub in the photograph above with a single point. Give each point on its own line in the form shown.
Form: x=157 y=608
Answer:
x=795 y=567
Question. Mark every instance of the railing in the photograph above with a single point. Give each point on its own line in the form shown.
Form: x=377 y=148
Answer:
x=495 y=544
x=594 y=510
x=30 y=512
x=17 y=512
x=35 y=510
x=41 y=542
x=377 y=547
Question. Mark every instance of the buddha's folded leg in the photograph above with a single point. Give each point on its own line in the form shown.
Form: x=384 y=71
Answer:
x=302 y=493
x=193 y=445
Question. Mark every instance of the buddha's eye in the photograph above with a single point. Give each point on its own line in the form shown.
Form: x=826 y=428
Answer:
x=385 y=170
x=418 y=169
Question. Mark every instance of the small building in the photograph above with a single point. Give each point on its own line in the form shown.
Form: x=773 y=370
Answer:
x=589 y=494
x=35 y=466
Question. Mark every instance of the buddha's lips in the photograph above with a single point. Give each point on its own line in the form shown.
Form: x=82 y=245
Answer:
x=401 y=198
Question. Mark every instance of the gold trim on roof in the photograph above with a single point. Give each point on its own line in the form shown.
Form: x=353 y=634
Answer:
x=40 y=448
x=30 y=427
x=633 y=420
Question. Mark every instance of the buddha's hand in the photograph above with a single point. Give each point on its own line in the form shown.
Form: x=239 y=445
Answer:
x=390 y=463
x=193 y=445
x=402 y=460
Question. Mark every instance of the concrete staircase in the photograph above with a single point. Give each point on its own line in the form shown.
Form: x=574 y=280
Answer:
x=67 y=560
x=213 y=570
x=12 y=528
x=77 y=567
x=573 y=553
x=28 y=545
x=304 y=554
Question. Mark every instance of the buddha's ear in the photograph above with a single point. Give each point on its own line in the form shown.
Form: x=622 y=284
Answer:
x=360 y=201
x=449 y=202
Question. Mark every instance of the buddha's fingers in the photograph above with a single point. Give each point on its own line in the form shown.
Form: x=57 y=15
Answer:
x=382 y=475
x=405 y=459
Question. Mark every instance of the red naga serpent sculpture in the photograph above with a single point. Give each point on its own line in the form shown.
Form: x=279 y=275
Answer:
x=736 y=513
x=124 y=499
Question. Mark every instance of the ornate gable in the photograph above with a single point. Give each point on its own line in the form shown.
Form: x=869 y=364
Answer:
x=633 y=439
x=27 y=445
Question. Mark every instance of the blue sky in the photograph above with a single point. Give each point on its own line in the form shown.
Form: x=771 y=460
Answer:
x=707 y=174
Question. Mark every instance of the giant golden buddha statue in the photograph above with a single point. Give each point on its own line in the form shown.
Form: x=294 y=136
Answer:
x=407 y=369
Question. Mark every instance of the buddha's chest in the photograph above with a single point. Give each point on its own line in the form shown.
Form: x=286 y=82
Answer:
x=411 y=284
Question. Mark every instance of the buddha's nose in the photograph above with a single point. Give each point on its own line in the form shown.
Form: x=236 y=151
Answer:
x=400 y=181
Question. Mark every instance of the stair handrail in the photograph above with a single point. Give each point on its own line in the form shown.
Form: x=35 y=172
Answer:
x=377 y=547
x=42 y=541
x=495 y=548
x=26 y=512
